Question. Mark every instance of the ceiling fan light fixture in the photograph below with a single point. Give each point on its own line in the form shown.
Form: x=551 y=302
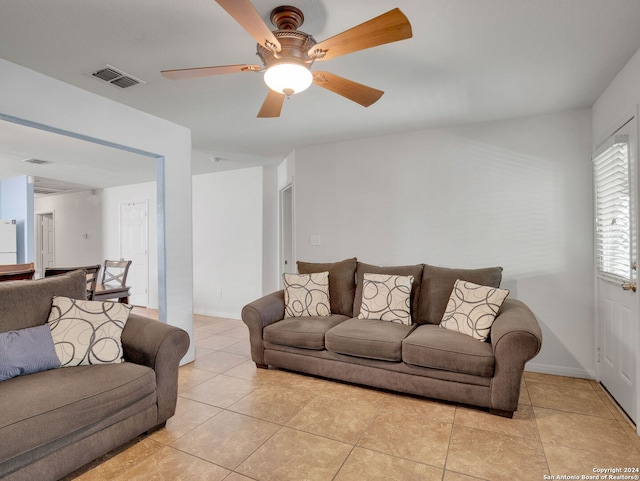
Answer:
x=288 y=78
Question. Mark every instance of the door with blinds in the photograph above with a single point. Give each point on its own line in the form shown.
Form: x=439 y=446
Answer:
x=616 y=221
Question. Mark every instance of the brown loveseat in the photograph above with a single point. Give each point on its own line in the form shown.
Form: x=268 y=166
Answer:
x=422 y=359
x=55 y=421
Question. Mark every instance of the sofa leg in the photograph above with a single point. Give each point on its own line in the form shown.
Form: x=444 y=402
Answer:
x=261 y=366
x=501 y=413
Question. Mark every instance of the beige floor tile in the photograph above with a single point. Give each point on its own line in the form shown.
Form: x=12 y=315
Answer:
x=524 y=394
x=574 y=398
x=523 y=423
x=586 y=433
x=292 y=455
x=216 y=342
x=420 y=407
x=240 y=332
x=189 y=377
x=221 y=391
x=609 y=402
x=352 y=392
x=574 y=462
x=363 y=464
x=555 y=380
x=173 y=465
x=111 y=465
x=237 y=477
x=189 y=415
x=495 y=457
x=242 y=347
x=452 y=476
x=248 y=370
x=273 y=403
x=331 y=417
x=226 y=439
x=219 y=361
x=295 y=380
x=402 y=434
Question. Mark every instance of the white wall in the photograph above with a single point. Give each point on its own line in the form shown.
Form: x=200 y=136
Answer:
x=76 y=215
x=112 y=198
x=513 y=193
x=16 y=202
x=34 y=98
x=227 y=241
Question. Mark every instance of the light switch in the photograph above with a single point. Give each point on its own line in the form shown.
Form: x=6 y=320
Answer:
x=315 y=240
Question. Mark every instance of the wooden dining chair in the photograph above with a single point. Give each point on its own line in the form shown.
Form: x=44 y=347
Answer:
x=92 y=275
x=114 y=281
x=16 y=267
x=25 y=274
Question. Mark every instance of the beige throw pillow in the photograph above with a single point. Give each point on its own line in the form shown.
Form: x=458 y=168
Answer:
x=472 y=309
x=87 y=332
x=306 y=295
x=386 y=298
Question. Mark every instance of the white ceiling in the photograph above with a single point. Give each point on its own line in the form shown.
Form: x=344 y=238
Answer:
x=468 y=61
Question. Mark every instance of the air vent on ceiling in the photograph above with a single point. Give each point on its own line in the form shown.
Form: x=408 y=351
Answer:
x=36 y=161
x=115 y=77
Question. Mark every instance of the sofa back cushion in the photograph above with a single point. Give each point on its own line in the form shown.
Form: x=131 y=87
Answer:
x=438 y=282
x=28 y=303
x=415 y=271
x=342 y=282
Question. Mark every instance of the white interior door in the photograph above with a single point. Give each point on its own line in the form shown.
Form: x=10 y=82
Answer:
x=618 y=313
x=286 y=232
x=134 y=246
x=46 y=242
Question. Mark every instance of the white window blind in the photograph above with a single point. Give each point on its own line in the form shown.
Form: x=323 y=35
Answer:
x=611 y=169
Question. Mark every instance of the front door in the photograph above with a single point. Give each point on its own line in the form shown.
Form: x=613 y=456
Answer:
x=46 y=243
x=616 y=258
x=134 y=246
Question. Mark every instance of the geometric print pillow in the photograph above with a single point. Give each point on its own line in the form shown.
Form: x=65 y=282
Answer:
x=306 y=295
x=472 y=309
x=386 y=298
x=87 y=332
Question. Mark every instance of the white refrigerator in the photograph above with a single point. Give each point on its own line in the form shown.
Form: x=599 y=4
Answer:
x=8 y=242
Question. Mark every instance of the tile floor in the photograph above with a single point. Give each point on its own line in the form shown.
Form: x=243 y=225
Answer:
x=237 y=423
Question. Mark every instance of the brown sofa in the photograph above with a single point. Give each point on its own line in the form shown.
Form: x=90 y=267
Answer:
x=55 y=421
x=422 y=359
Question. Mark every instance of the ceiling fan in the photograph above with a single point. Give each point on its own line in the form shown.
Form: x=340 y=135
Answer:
x=287 y=53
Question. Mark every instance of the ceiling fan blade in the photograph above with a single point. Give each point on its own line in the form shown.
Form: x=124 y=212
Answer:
x=187 y=73
x=272 y=105
x=386 y=28
x=248 y=17
x=359 y=93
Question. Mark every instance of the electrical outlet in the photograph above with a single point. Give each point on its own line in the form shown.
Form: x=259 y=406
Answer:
x=219 y=292
x=316 y=240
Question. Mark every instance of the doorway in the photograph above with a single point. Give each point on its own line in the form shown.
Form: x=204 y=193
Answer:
x=45 y=242
x=287 y=254
x=616 y=220
x=134 y=246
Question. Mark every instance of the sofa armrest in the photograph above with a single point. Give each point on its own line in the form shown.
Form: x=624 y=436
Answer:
x=516 y=338
x=161 y=347
x=259 y=314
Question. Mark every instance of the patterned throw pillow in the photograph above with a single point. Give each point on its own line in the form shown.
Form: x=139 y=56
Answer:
x=472 y=309
x=386 y=298
x=87 y=332
x=306 y=295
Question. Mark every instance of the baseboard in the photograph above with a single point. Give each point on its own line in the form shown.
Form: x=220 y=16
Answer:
x=559 y=370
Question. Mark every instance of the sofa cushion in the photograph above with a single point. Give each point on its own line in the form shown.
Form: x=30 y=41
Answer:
x=368 y=338
x=415 y=271
x=87 y=332
x=26 y=351
x=47 y=406
x=472 y=309
x=306 y=294
x=437 y=284
x=433 y=347
x=342 y=282
x=386 y=298
x=28 y=303
x=303 y=332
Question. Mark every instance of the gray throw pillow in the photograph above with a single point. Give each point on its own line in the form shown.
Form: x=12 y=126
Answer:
x=26 y=351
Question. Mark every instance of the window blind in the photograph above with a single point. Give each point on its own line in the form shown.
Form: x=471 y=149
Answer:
x=611 y=169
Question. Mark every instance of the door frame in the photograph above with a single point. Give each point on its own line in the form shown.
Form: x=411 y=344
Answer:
x=38 y=239
x=286 y=213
